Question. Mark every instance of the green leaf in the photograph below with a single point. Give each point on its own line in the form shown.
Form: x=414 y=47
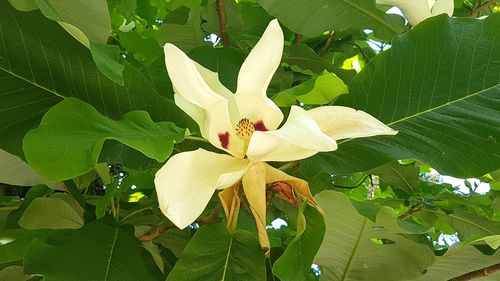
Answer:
x=296 y=261
x=12 y=273
x=15 y=171
x=106 y=58
x=225 y=61
x=459 y=260
x=356 y=249
x=70 y=137
x=215 y=254
x=470 y=227
x=438 y=86
x=187 y=36
x=399 y=176
x=16 y=242
x=312 y=18
x=40 y=65
x=24 y=5
x=75 y=15
x=50 y=213
x=33 y=193
x=302 y=56
x=98 y=251
x=317 y=91
x=175 y=240
x=144 y=49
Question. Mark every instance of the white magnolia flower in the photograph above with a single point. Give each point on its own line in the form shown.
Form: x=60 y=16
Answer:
x=246 y=126
x=416 y=11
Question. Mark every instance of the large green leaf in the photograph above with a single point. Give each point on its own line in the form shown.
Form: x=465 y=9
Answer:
x=357 y=249
x=215 y=254
x=15 y=171
x=40 y=64
x=86 y=20
x=460 y=260
x=470 y=226
x=50 y=213
x=312 y=18
x=97 y=252
x=439 y=87
x=296 y=261
x=71 y=135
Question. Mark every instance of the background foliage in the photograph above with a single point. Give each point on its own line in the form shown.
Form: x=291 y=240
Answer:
x=87 y=117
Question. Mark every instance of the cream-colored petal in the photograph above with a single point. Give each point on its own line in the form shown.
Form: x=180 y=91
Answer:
x=340 y=122
x=188 y=180
x=300 y=186
x=254 y=186
x=299 y=138
x=189 y=83
x=443 y=7
x=230 y=199
x=212 y=79
x=255 y=75
x=414 y=11
x=194 y=111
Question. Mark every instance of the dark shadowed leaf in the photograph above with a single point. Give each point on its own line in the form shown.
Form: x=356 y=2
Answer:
x=114 y=254
x=215 y=254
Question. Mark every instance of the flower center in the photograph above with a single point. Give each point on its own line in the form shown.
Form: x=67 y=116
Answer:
x=244 y=130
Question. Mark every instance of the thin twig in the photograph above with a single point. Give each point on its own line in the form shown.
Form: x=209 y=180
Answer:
x=475 y=11
x=328 y=42
x=222 y=23
x=478 y=273
x=362 y=52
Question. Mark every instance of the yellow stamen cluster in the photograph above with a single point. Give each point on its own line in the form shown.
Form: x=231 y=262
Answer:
x=245 y=129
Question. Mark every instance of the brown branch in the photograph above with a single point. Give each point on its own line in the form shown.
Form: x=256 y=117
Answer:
x=211 y=217
x=475 y=11
x=298 y=38
x=222 y=23
x=478 y=273
x=156 y=231
x=412 y=210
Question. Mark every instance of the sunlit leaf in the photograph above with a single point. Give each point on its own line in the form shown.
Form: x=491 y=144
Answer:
x=357 y=249
x=438 y=86
x=71 y=135
x=312 y=18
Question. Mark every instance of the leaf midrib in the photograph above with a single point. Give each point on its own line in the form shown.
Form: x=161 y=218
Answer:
x=354 y=252
x=227 y=259
x=108 y=266
x=32 y=83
